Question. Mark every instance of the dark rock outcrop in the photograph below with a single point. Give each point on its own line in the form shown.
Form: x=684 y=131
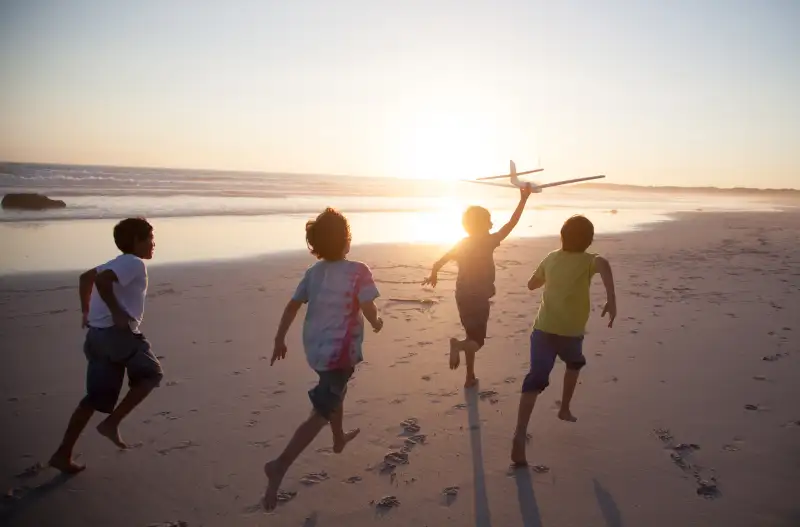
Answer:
x=27 y=201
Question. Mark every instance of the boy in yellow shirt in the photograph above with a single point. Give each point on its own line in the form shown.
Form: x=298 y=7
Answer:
x=559 y=328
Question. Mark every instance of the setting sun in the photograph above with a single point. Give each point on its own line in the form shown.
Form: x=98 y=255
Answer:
x=452 y=145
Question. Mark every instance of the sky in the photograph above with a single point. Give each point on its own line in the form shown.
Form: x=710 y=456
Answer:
x=686 y=92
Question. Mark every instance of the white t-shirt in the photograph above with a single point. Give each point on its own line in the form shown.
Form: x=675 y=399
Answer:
x=130 y=291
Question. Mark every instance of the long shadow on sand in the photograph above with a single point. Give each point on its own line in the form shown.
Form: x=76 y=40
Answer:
x=482 y=515
x=608 y=506
x=11 y=507
x=528 y=507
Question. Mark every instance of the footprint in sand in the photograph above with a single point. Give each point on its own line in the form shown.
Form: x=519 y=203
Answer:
x=314 y=478
x=414 y=440
x=387 y=502
x=31 y=471
x=353 y=479
x=449 y=494
x=540 y=469
x=426 y=377
x=260 y=444
x=411 y=425
x=663 y=434
x=510 y=380
x=180 y=446
x=755 y=408
x=792 y=424
x=396 y=458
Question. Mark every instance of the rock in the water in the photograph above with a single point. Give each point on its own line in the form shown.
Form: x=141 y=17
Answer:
x=30 y=201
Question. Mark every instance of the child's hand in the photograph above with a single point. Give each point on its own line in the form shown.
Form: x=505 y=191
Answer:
x=121 y=319
x=85 y=321
x=611 y=309
x=279 y=352
x=378 y=325
x=432 y=280
x=525 y=192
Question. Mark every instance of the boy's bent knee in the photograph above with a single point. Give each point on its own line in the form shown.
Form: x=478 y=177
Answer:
x=535 y=383
x=576 y=365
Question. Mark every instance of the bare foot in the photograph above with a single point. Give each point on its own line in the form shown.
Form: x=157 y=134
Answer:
x=65 y=464
x=471 y=381
x=454 y=354
x=338 y=446
x=274 y=478
x=518 y=451
x=111 y=432
x=565 y=415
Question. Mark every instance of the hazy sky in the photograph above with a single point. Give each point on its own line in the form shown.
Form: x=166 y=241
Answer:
x=679 y=92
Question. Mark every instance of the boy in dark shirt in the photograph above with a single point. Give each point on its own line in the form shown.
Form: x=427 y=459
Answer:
x=475 y=283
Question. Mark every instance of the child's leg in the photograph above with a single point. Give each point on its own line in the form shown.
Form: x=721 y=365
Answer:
x=109 y=427
x=526 y=403
x=103 y=384
x=543 y=357
x=62 y=459
x=276 y=469
x=340 y=438
x=474 y=314
x=470 y=348
x=144 y=374
x=571 y=352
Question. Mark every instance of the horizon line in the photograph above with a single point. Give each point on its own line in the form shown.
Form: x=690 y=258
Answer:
x=268 y=173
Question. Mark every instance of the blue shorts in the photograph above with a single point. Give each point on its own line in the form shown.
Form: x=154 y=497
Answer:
x=328 y=394
x=111 y=352
x=545 y=347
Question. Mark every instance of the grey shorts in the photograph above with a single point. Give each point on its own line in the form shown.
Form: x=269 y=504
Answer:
x=329 y=393
x=111 y=352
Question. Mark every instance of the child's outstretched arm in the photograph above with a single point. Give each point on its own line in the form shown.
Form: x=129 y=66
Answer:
x=604 y=270
x=505 y=230
x=289 y=314
x=433 y=279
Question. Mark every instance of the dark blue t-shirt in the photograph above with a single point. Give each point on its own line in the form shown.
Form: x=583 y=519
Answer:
x=475 y=258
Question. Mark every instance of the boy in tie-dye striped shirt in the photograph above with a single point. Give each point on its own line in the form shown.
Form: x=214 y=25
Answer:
x=340 y=293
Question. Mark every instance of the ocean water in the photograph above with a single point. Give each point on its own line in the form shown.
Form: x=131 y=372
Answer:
x=202 y=215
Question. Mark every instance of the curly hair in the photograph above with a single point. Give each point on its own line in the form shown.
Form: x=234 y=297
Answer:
x=327 y=236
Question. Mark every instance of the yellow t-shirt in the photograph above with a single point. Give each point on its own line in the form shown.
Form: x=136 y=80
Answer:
x=565 y=302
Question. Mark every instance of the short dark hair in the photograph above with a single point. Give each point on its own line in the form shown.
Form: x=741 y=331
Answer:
x=328 y=235
x=475 y=218
x=577 y=234
x=129 y=231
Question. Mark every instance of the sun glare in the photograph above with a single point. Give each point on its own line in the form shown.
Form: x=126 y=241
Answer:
x=450 y=146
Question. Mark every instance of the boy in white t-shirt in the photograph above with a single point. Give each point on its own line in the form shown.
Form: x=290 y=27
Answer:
x=338 y=292
x=112 y=302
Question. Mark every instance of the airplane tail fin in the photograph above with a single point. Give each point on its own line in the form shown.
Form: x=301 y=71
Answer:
x=512 y=171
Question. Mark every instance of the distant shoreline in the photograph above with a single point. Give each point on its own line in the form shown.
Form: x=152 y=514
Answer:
x=605 y=186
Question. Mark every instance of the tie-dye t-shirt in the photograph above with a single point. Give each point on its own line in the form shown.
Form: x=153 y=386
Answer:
x=334 y=327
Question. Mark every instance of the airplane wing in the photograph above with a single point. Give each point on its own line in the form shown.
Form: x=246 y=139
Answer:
x=480 y=182
x=568 y=181
x=507 y=176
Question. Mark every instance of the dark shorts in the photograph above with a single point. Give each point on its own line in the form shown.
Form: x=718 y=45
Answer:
x=545 y=347
x=111 y=352
x=329 y=393
x=474 y=313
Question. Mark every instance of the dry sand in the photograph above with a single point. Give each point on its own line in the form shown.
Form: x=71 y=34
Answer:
x=708 y=325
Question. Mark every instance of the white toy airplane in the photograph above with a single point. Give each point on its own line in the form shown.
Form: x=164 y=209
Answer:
x=514 y=181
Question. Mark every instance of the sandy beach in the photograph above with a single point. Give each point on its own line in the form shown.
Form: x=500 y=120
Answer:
x=688 y=411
